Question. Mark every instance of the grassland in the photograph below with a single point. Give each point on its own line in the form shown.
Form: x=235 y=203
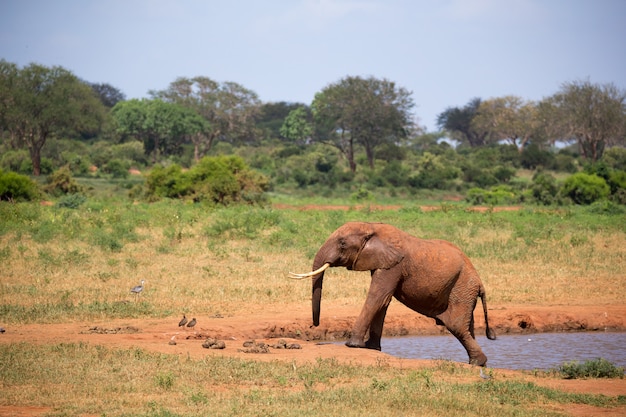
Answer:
x=76 y=265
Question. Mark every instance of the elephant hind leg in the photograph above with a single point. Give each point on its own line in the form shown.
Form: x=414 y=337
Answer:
x=463 y=331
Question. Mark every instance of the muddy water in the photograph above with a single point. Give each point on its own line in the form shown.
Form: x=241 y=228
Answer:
x=530 y=351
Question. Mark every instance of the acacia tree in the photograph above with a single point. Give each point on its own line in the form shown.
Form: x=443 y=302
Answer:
x=365 y=111
x=592 y=114
x=457 y=122
x=162 y=127
x=507 y=118
x=38 y=103
x=229 y=108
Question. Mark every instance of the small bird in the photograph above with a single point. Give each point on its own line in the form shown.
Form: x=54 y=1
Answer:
x=138 y=289
x=192 y=323
x=484 y=375
x=182 y=321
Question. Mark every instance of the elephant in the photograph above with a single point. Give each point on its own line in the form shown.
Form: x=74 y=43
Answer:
x=432 y=277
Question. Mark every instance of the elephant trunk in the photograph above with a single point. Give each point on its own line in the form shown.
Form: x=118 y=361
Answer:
x=317 y=281
x=316 y=299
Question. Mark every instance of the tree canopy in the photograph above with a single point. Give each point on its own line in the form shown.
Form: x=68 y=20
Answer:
x=508 y=118
x=365 y=111
x=229 y=108
x=457 y=122
x=38 y=103
x=162 y=127
x=592 y=114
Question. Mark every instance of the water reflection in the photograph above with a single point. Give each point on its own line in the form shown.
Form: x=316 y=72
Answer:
x=530 y=351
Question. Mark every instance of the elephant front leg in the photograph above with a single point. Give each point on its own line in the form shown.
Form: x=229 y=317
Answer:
x=376 y=330
x=372 y=315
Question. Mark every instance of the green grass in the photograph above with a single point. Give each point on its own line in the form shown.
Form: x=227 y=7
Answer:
x=65 y=264
x=596 y=368
x=133 y=382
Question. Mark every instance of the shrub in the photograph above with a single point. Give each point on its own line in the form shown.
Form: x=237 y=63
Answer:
x=615 y=158
x=72 y=201
x=544 y=188
x=617 y=181
x=117 y=168
x=60 y=182
x=533 y=157
x=597 y=368
x=565 y=162
x=218 y=179
x=17 y=161
x=497 y=195
x=585 y=188
x=16 y=187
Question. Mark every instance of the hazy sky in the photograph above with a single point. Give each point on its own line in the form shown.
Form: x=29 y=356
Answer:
x=444 y=51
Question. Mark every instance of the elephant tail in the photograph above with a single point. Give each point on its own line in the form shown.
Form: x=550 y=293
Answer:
x=491 y=334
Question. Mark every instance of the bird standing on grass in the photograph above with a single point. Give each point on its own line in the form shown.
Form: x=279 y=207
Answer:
x=137 y=289
x=192 y=323
x=182 y=321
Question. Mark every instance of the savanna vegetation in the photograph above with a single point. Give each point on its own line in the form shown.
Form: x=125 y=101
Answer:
x=358 y=139
x=201 y=226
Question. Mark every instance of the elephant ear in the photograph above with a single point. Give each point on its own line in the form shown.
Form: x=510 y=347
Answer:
x=377 y=254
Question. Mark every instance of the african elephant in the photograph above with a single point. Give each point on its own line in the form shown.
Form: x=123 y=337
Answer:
x=433 y=277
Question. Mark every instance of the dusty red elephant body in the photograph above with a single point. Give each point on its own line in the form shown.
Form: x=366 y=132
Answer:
x=433 y=277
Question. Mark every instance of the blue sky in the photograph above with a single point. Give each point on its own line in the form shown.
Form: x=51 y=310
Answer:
x=444 y=51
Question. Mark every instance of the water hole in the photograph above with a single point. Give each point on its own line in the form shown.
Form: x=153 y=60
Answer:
x=523 y=352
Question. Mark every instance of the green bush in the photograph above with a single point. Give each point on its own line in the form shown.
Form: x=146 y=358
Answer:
x=597 y=368
x=61 y=182
x=72 y=201
x=544 y=189
x=533 y=157
x=16 y=187
x=216 y=179
x=617 y=181
x=117 y=168
x=585 y=188
x=497 y=195
x=615 y=158
x=16 y=161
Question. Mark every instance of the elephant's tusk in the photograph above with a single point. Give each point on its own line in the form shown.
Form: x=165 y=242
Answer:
x=309 y=274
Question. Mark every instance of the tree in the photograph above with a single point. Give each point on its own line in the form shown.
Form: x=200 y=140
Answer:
x=109 y=95
x=296 y=126
x=507 y=118
x=162 y=127
x=272 y=116
x=457 y=122
x=368 y=112
x=594 y=115
x=38 y=103
x=229 y=108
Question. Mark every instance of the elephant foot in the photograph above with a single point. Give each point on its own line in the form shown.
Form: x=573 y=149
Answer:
x=480 y=360
x=371 y=345
x=355 y=344
x=366 y=345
